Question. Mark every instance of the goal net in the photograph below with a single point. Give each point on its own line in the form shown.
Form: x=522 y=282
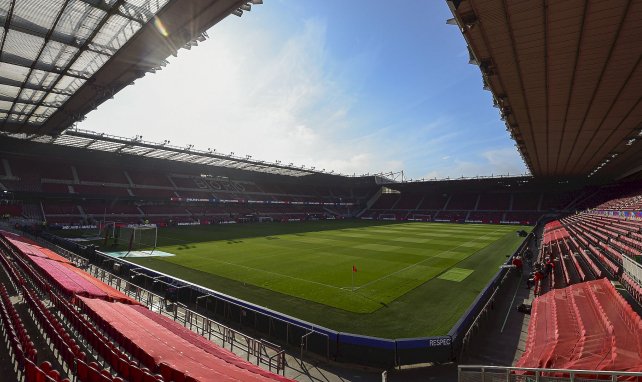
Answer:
x=107 y=232
x=142 y=238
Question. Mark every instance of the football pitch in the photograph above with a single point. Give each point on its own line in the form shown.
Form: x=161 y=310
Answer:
x=411 y=279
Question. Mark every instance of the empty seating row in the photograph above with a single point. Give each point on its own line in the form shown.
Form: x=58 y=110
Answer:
x=15 y=333
x=58 y=271
x=64 y=344
x=586 y=326
x=154 y=348
x=154 y=345
x=43 y=373
x=102 y=345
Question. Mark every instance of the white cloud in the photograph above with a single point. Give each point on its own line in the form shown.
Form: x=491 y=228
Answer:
x=502 y=161
x=283 y=96
x=276 y=103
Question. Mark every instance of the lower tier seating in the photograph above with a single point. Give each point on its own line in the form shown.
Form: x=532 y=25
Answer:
x=586 y=326
x=152 y=347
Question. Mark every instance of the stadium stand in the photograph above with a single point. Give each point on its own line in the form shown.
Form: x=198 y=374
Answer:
x=78 y=194
x=167 y=351
x=587 y=326
x=505 y=200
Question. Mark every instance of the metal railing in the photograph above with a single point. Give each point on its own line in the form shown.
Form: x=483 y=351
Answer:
x=477 y=373
x=632 y=268
x=256 y=350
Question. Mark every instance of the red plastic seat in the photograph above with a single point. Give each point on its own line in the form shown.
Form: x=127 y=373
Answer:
x=135 y=374
x=166 y=371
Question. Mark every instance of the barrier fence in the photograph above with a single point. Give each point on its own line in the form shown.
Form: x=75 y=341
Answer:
x=256 y=350
x=632 y=268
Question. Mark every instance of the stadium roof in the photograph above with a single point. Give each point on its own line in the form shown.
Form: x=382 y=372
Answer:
x=90 y=140
x=566 y=77
x=60 y=59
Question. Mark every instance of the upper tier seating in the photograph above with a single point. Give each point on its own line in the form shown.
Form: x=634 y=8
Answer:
x=100 y=190
x=100 y=174
x=385 y=202
x=493 y=202
x=526 y=201
x=462 y=202
x=408 y=201
x=149 y=178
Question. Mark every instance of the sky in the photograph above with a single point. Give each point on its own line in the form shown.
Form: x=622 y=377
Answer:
x=351 y=86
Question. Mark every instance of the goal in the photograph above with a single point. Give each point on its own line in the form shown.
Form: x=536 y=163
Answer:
x=142 y=238
x=107 y=231
x=106 y=228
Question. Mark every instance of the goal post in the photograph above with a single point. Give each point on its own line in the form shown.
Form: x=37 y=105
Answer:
x=107 y=230
x=139 y=237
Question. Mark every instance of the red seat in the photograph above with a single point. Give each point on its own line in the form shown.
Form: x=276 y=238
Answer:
x=46 y=366
x=82 y=370
x=105 y=376
x=135 y=374
x=166 y=371
x=123 y=367
x=54 y=374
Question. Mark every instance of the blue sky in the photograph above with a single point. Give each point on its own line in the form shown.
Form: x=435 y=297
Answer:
x=351 y=86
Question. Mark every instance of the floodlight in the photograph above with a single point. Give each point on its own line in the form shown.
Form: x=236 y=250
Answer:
x=246 y=7
x=238 y=13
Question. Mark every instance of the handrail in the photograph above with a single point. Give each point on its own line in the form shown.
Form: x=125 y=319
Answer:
x=542 y=370
x=632 y=268
x=203 y=324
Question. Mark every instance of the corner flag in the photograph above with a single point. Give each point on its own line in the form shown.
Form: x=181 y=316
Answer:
x=354 y=270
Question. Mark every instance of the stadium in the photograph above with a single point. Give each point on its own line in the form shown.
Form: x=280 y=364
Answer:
x=131 y=259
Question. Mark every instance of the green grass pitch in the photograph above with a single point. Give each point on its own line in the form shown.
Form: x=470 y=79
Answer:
x=412 y=279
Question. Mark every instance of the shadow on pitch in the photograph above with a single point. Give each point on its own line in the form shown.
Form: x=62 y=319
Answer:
x=357 y=292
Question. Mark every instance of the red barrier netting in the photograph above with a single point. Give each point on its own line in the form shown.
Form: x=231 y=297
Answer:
x=586 y=326
x=173 y=345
